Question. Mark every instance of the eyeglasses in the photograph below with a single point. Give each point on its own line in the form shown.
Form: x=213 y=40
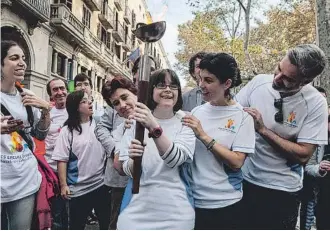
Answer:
x=278 y=104
x=164 y=86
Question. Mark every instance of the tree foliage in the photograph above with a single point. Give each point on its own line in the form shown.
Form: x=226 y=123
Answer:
x=214 y=29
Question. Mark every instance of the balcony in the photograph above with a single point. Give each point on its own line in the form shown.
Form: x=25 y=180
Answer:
x=118 y=32
x=106 y=17
x=120 y=4
x=94 y=44
x=66 y=23
x=93 y=5
x=127 y=43
x=128 y=15
x=39 y=8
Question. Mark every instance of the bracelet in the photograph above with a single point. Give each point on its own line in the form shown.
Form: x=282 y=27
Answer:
x=210 y=145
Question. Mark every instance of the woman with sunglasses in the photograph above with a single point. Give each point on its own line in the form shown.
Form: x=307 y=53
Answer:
x=162 y=202
x=80 y=163
x=225 y=136
x=29 y=116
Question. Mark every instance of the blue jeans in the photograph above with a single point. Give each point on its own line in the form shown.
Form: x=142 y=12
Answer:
x=18 y=214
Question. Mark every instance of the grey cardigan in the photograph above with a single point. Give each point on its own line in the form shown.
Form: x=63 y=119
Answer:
x=191 y=99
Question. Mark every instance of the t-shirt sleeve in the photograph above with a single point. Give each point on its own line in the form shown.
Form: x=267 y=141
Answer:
x=117 y=135
x=125 y=143
x=245 y=139
x=62 y=146
x=186 y=141
x=243 y=96
x=315 y=127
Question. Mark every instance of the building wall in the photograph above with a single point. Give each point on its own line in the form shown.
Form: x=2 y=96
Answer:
x=49 y=41
x=37 y=52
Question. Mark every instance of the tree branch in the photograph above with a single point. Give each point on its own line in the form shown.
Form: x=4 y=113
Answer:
x=241 y=4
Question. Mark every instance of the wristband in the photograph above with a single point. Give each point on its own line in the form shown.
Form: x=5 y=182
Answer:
x=210 y=145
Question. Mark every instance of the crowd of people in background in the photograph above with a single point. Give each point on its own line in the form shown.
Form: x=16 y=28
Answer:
x=210 y=159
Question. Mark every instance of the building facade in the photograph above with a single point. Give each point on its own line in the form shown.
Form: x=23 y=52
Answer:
x=64 y=37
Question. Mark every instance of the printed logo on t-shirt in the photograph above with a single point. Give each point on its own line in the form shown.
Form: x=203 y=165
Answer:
x=230 y=126
x=291 y=120
x=16 y=143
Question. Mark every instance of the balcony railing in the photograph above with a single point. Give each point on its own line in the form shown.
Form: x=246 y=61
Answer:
x=128 y=15
x=62 y=16
x=120 y=4
x=106 y=17
x=118 y=31
x=92 y=39
x=40 y=8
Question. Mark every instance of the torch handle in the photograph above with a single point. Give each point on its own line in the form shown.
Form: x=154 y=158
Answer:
x=139 y=135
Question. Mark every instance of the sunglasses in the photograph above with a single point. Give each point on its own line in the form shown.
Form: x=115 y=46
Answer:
x=278 y=103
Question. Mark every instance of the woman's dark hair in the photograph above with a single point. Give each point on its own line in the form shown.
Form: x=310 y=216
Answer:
x=81 y=77
x=224 y=67
x=118 y=82
x=199 y=55
x=159 y=77
x=5 y=46
x=72 y=107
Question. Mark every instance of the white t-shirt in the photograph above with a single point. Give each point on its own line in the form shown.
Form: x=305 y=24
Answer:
x=86 y=169
x=305 y=121
x=57 y=119
x=19 y=168
x=214 y=184
x=162 y=202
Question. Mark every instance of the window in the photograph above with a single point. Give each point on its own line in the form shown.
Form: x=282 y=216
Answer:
x=60 y=64
x=69 y=73
x=99 y=83
x=117 y=51
x=68 y=3
x=133 y=19
x=125 y=56
x=105 y=37
x=84 y=70
x=133 y=41
x=98 y=31
x=86 y=17
x=126 y=35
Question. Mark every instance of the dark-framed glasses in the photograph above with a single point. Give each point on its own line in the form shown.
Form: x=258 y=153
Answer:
x=172 y=86
x=278 y=104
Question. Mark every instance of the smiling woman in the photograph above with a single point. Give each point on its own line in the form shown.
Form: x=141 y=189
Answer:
x=20 y=178
x=168 y=147
x=225 y=136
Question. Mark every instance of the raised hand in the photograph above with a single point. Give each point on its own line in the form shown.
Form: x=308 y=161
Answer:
x=144 y=116
x=192 y=122
x=29 y=99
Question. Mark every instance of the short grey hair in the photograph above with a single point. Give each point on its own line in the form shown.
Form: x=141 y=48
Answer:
x=309 y=59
